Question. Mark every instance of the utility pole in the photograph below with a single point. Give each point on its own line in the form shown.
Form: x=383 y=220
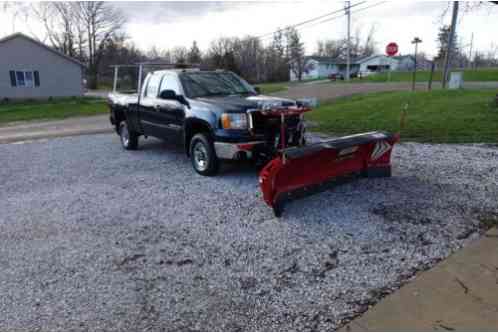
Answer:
x=415 y=41
x=470 y=53
x=447 y=56
x=348 y=46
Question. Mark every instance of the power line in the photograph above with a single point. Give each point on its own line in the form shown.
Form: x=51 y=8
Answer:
x=310 y=20
x=334 y=17
x=340 y=16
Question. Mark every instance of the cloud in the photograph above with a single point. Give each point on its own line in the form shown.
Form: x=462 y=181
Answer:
x=174 y=11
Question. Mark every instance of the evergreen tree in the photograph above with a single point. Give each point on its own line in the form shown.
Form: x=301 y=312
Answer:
x=295 y=53
x=194 y=55
x=443 y=38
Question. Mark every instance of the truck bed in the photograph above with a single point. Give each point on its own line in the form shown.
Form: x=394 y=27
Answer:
x=123 y=98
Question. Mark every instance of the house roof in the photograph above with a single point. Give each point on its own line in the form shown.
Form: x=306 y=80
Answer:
x=403 y=57
x=325 y=60
x=340 y=61
x=21 y=35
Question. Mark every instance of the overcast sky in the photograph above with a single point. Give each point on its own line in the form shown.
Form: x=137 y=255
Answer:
x=169 y=24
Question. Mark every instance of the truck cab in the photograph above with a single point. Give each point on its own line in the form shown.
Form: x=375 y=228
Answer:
x=214 y=115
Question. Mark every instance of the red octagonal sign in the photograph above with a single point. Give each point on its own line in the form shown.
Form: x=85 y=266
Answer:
x=391 y=49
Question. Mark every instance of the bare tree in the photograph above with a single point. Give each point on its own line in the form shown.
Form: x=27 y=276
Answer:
x=17 y=10
x=370 y=45
x=276 y=66
x=249 y=55
x=467 y=7
x=179 y=54
x=221 y=54
x=295 y=52
x=62 y=26
x=330 y=48
x=359 y=46
x=101 y=22
x=154 y=53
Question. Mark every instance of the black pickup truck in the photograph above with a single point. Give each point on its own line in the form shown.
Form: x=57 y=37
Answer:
x=214 y=115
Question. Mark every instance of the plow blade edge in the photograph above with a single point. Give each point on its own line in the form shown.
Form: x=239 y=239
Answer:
x=299 y=170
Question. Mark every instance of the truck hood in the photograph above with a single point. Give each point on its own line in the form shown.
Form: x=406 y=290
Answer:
x=242 y=103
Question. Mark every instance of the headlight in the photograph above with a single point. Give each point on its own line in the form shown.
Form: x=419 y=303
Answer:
x=234 y=120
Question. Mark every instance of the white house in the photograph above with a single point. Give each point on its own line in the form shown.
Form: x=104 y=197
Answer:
x=405 y=63
x=376 y=63
x=322 y=67
x=31 y=69
x=317 y=67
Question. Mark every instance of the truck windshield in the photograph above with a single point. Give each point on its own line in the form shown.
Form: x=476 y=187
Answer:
x=203 y=84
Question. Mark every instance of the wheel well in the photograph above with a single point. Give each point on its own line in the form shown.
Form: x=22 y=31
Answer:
x=119 y=116
x=192 y=128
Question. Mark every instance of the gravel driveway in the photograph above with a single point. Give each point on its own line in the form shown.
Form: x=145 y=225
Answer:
x=96 y=238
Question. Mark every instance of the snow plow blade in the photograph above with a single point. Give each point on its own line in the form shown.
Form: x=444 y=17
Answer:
x=300 y=170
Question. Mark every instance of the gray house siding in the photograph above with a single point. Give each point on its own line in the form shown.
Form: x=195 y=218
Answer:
x=58 y=76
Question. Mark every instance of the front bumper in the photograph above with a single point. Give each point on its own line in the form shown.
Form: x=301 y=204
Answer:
x=236 y=151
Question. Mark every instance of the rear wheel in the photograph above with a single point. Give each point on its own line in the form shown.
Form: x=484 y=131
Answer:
x=203 y=155
x=129 y=139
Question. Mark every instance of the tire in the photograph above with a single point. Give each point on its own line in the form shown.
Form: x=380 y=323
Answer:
x=203 y=156
x=129 y=139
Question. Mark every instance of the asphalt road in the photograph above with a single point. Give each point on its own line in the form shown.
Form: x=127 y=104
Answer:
x=34 y=130
x=96 y=238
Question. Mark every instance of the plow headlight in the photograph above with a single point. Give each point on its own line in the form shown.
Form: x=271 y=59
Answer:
x=234 y=120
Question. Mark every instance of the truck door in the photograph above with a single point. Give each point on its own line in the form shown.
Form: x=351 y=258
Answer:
x=149 y=110
x=172 y=111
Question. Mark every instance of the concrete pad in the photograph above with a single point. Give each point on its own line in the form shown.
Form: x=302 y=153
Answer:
x=461 y=293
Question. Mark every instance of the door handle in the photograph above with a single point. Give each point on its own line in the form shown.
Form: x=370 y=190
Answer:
x=157 y=107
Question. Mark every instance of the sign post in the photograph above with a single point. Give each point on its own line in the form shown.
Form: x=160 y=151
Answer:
x=415 y=41
x=391 y=50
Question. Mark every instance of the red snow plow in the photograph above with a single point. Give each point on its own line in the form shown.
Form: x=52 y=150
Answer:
x=309 y=168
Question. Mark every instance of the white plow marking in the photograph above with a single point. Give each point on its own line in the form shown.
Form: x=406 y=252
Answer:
x=380 y=149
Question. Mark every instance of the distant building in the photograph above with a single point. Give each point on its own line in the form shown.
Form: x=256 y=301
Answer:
x=321 y=67
x=317 y=67
x=405 y=63
x=31 y=69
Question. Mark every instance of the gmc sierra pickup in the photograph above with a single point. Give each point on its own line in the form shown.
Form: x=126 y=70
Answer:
x=214 y=115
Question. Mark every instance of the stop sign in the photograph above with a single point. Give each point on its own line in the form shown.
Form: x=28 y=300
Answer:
x=391 y=49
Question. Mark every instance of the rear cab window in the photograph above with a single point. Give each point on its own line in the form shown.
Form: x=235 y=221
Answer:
x=152 y=89
x=170 y=82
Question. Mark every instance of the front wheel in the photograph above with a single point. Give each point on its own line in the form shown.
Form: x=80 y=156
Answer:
x=129 y=139
x=203 y=155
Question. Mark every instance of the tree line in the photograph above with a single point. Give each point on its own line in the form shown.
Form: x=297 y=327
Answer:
x=93 y=32
x=462 y=55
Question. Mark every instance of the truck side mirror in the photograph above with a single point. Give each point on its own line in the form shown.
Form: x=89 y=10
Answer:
x=171 y=95
x=168 y=94
x=257 y=89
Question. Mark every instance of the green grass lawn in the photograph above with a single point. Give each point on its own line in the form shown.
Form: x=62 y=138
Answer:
x=50 y=110
x=483 y=74
x=456 y=116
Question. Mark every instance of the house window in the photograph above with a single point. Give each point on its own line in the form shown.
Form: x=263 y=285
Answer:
x=20 y=79
x=27 y=79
